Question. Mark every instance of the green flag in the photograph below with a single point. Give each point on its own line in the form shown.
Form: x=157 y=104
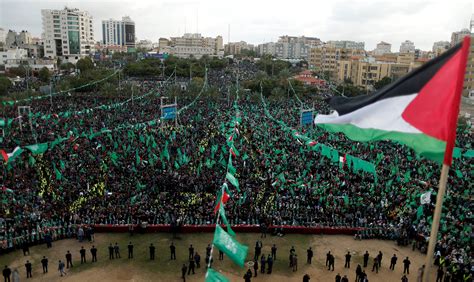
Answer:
x=229 y=246
x=214 y=276
x=165 y=152
x=224 y=219
x=233 y=180
x=37 y=149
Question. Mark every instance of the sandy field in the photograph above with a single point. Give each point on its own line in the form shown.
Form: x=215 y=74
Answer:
x=140 y=268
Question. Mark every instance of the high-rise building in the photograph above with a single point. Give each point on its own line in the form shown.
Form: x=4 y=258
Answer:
x=289 y=47
x=67 y=34
x=407 y=47
x=440 y=46
x=235 y=48
x=3 y=36
x=382 y=48
x=14 y=39
x=326 y=58
x=346 y=44
x=365 y=72
x=121 y=33
x=458 y=36
x=469 y=77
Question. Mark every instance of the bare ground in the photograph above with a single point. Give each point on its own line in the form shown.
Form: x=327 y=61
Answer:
x=162 y=269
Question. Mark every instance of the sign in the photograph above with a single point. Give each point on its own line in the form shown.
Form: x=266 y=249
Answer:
x=307 y=117
x=168 y=112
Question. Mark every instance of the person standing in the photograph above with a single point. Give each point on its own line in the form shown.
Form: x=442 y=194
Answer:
x=44 y=263
x=61 y=268
x=68 y=259
x=26 y=248
x=130 y=250
x=111 y=251
x=191 y=251
x=404 y=278
x=306 y=278
x=15 y=275
x=191 y=266
x=208 y=250
x=197 y=260
x=152 y=252
x=248 y=276
x=379 y=258
x=331 y=262
x=295 y=263
x=406 y=266
x=328 y=256
x=274 y=252
x=309 y=255
x=366 y=258
x=375 y=267
x=117 y=250
x=7 y=272
x=358 y=273
x=393 y=262
x=173 y=251
x=83 y=255
x=348 y=260
x=262 y=264
x=183 y=271
x=421 y=273
x=221 y=255
x=255 y=267
x=28 y=269
x=258 y=250
x=338 y=277
x=94 y=253
x=345 y=279
x=270 y=264
x=439 y=274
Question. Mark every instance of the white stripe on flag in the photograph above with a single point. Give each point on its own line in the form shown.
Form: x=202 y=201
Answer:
x=385 y=115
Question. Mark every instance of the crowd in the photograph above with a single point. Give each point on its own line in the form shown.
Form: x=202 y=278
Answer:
x=123 y=165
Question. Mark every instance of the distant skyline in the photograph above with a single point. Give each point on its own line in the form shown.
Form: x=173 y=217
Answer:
x=371 y=21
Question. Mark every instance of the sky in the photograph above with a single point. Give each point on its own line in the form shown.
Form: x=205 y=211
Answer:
x=258 y=21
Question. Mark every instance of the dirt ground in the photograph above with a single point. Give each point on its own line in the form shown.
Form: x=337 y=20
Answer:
x=163 y=269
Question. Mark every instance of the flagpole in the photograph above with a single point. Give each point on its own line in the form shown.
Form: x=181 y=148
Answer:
x=448 y=156
x=436 y=219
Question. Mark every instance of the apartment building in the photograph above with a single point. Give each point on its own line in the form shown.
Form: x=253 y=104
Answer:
x=67 y=34
x=118 y=32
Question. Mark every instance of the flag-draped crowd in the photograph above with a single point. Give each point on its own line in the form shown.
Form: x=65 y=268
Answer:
x=119 y=164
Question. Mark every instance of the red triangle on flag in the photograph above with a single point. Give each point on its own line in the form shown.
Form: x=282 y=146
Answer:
x=4 y=155
x=224 y=200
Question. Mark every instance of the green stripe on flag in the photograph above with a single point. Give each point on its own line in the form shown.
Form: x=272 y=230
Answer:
x=424 y=145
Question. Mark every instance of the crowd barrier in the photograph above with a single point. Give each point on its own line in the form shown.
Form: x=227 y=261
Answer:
x=287 y=229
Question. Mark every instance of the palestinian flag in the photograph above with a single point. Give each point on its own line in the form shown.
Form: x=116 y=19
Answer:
x=419 y=110
x=8 y=157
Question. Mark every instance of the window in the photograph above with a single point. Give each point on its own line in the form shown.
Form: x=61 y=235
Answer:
x=56 y=21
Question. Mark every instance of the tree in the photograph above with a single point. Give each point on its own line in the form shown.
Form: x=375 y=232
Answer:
x=381 y=83
x=5 y=83
x=66 y=66
x=85 y=64
x=44 y=74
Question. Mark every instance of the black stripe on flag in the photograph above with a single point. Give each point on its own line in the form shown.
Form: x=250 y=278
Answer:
x=409 y=84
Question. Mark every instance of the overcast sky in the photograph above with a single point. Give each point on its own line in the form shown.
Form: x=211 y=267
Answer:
x=257 y=21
